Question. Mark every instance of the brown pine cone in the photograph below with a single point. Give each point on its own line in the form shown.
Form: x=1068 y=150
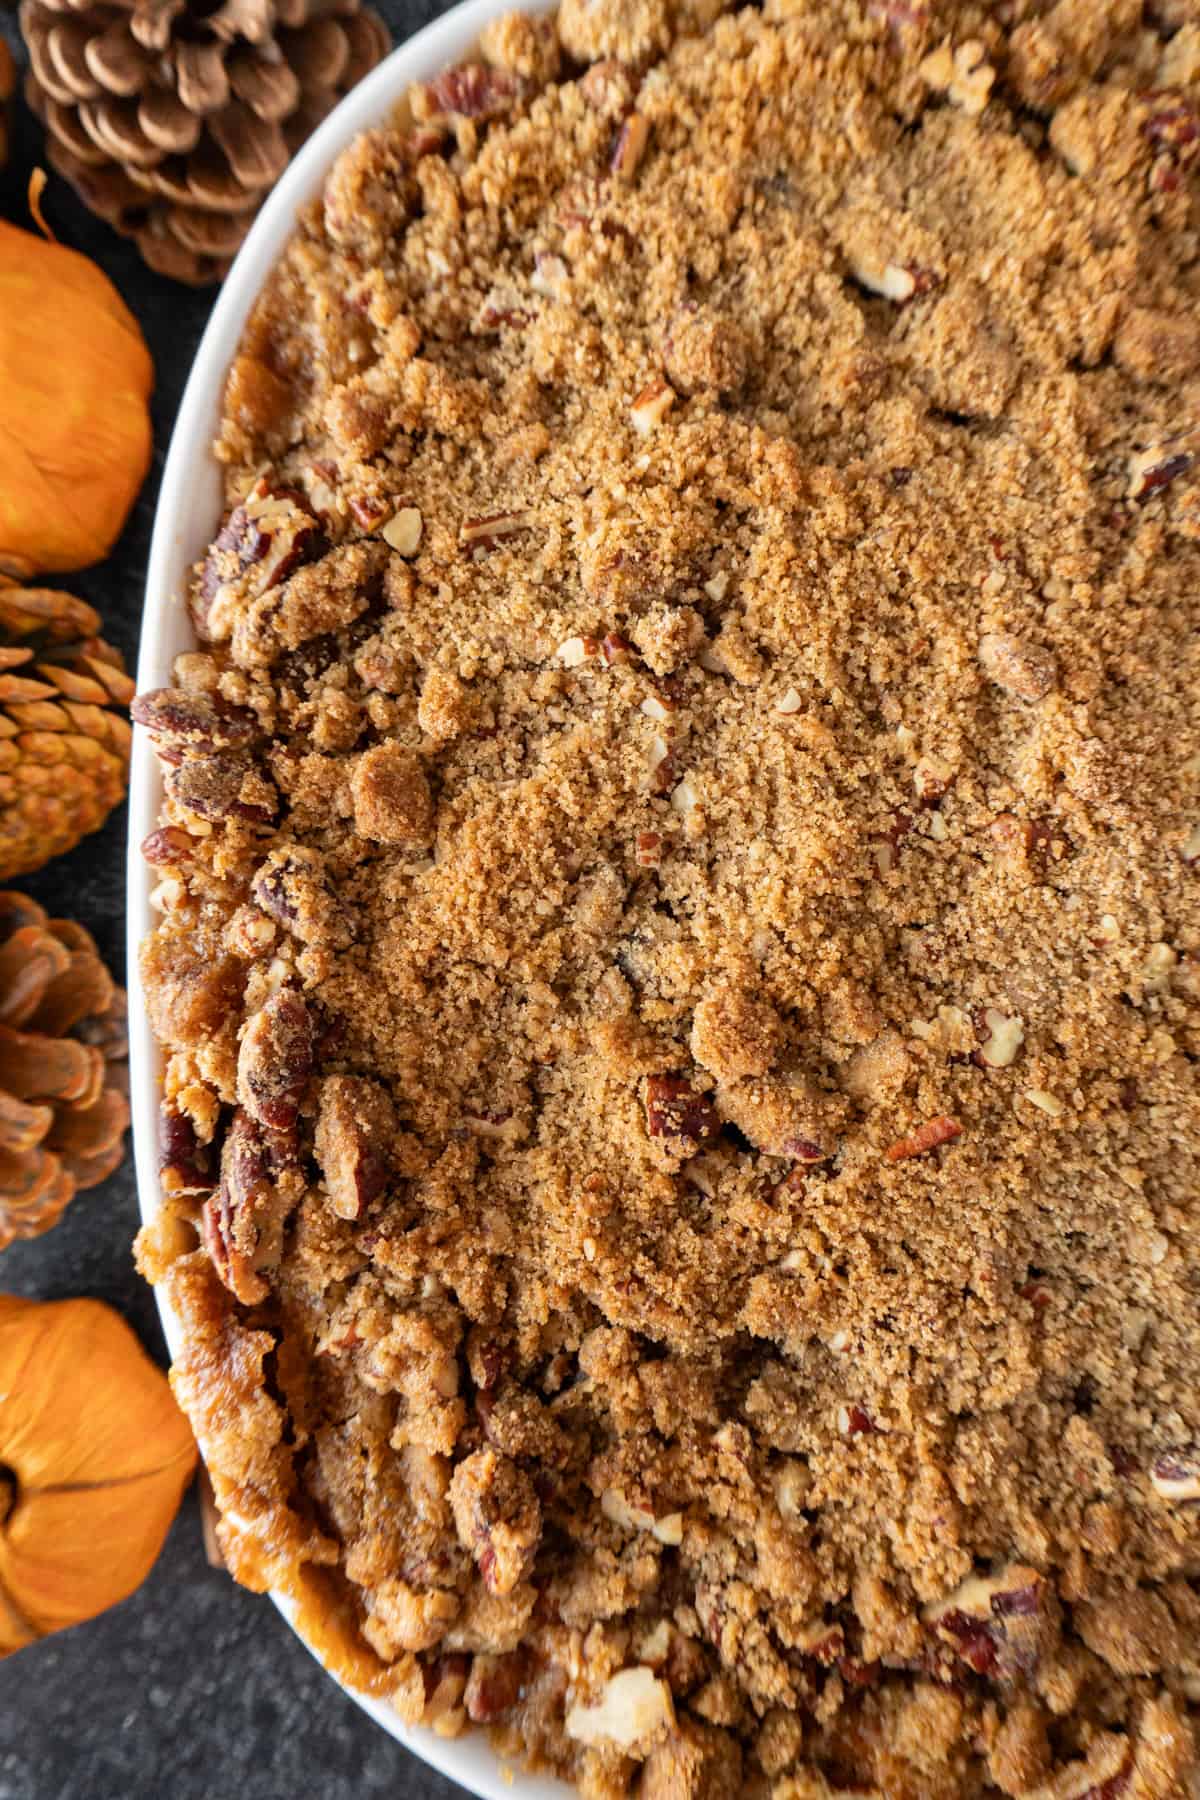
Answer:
x=63 y=1079
x=64 y=737
x=173 y=119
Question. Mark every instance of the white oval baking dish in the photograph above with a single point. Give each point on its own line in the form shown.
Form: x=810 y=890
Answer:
x=188 y=514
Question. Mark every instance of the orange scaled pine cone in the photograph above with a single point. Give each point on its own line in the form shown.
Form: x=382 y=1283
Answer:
x=63 y=1081
x=64 y=736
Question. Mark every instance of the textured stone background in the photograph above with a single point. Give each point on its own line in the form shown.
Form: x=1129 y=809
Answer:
x=191 y=1690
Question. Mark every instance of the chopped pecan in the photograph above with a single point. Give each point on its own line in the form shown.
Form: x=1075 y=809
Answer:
x=1020 y=667
x=290 y=888
x=494 y=1686
x=498 y=1518
x=272 y=532
x=243 y=1221
x=1153 y=469
x=630 y=146
x=999 y=1625
x=677 y=1112
x=167 y=845
x=275 y=1061
x=885 y=845
x=185 y=1165
x=355 y=1120
x=486 y=533
x=225 y=786
x=470 y=90
x=180 y=722
x=1175 y=1475
x=1172 y=127
x=941 y=1130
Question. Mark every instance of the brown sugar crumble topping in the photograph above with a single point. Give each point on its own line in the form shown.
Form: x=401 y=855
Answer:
x=679 y=961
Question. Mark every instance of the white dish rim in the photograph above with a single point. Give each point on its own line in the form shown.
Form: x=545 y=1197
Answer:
x=186 y=518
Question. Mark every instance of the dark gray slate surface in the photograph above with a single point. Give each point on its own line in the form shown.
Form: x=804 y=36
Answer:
x=191 y=1690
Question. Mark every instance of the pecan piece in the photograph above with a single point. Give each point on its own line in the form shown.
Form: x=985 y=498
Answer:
x=630 y=146
x=271 y=533
x=677 y=1112
x=1021 y=668
x=1173 y=131
x=494 y=1686
x=185 y=1165
x=167 y=845
x=243 y=1221
x=928 y=1136
x=1175 y=1475
x=470 y=90
x=498 y=1518
x=1153 y=469
x=180 y=722
x=275 y=1061
x=225 y=786
x=290 y=888
x=999 y=1625
x=355 y=1120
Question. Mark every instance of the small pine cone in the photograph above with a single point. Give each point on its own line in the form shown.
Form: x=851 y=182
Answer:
x=63 y=1080
x=64 y=737
x=173 y=119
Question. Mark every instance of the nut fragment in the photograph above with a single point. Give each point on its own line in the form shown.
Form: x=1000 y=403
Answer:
x=243 y=1221
x=634 y=1710
x=997 y=1624
x=932 y=779
x=469 y=90
x=1155 y=468
x=941 y=1130
x=290 y=888
x=497 y=1517
x=355 y=1120
x=228 y=785
x=575 y=651
x=630 y=146
x=1175 y=1475
x=166 y=846
x=264 y=539
x=900 y=282
x=485 y=534
x=651 y=407
x=495 y=1685
x=1000 y=1037
x=185 y=1165
x=677 y=1112
x=1022 y=668
x=181 y=722
x=403 y=530
x=275 y=1060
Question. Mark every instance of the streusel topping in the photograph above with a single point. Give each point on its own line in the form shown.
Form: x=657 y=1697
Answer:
x=680 y=928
